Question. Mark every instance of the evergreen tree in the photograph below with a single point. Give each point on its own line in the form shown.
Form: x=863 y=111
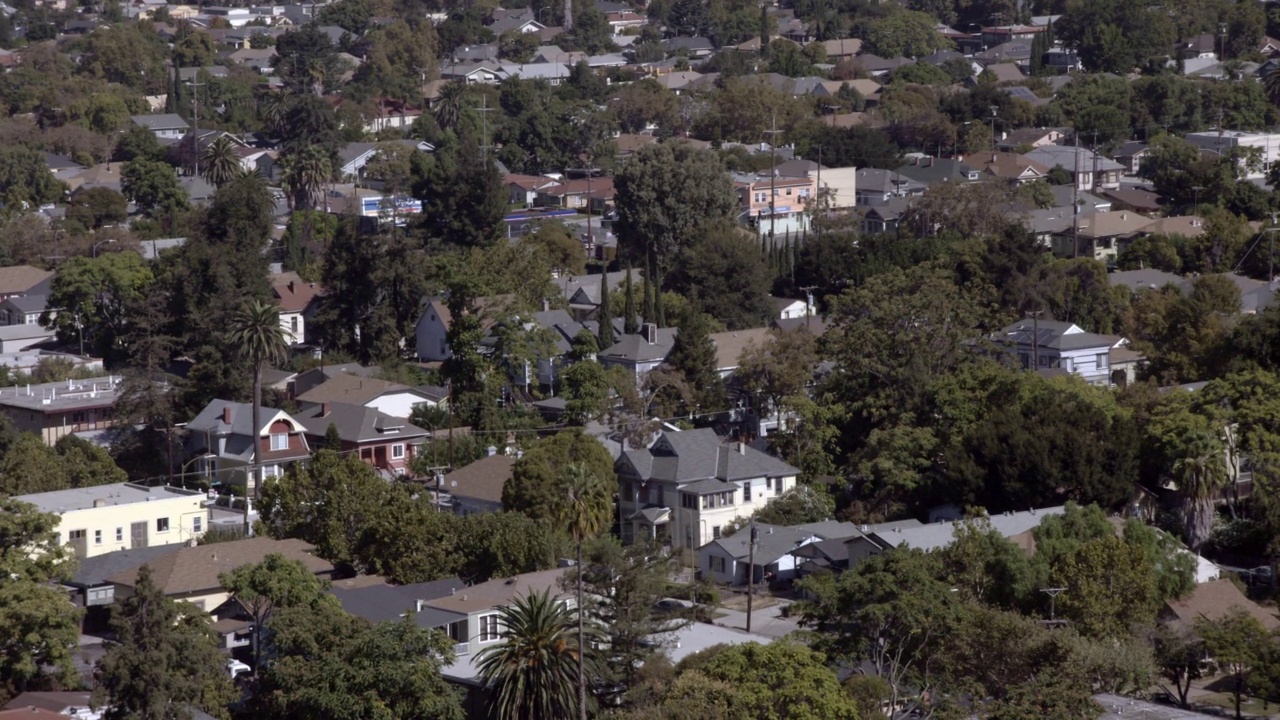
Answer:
x=606 y=315
x=629 y=323
x=166 y=661
x=764 y=31
x=332 y=440
x=649 y=315
x=694 y=357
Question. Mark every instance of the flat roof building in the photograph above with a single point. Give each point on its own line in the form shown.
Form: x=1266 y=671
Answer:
x=52 y=410
x=122 y=516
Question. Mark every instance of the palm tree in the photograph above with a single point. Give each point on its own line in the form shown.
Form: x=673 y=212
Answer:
x=1200 y=471
x=258 y=337
x=449 y=105
x=532 y=668
x=220 y=162
x=1271 y=83
x=305 y=174
x=586 y=512
x=273 y=106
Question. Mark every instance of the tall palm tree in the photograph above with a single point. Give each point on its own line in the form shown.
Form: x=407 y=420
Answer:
x=586 y=513
x=258 y=337
x=1200 y=471
x=448 y=109
x=304 y=175
x=273 y=107
x=220 y=162
x=532 y=668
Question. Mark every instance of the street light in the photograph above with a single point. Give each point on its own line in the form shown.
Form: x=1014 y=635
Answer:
x=101 y=242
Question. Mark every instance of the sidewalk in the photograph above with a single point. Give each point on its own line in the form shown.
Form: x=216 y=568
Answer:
x=764 y=621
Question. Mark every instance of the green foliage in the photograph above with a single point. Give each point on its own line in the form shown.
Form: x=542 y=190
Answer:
x=30 y=466
x=1239 y=644
x=693 y=360
x=721 y=271
x=905 y=34
x=585 y=387
x=153 y=186
x=39 y=628
x=25 y=180
x=96 y=207
x=797 y=506
x=537 y=487
x=93 y=297
x=777 y=679
x=165 y=662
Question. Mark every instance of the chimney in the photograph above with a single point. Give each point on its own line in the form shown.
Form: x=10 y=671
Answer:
x=546 y=304
x=742 y=448
x=99 y=503
x=226 y=414
x=651 y=333
x=417 y=606
x=291 y=286
x=324 y=409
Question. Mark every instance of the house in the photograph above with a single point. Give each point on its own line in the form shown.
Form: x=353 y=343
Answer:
x=105 y=518
x=523 y=189
x=1101 y=235
x=1147 y=279
x=56 y=705
x=477 y=486
x=1010 y=167
x=19 y=280
x=296 y=300
x=62 y=167
x=308 y=379
x=164 y=126
x=1090 y=171
x=1130 y=154
x=877 y=540
x=388 y=443
x=221 y=439
x=52 y=410
x=877 y=187
x=886 y=217
x=372 y=598
x=191 y=573
x=16 y=338
x=729 y=559
x=773 y=204
x=641 y=352
x=355 y=156
x=1045 y=344
x=686 y=486
x=1266 y=144
x=929 y=171
x=1005 y=72
x=388 y=397
x=842 y=49
x=24 y=310
x=1139 y=200
x=691 y=47
x=733 y=344
x=1213 y=600
x=1013 y=140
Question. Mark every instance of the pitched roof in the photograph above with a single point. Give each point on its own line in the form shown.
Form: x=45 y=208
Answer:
x=350 y=388
x=357 y=423
x=18 y=279
x=164 y=121
x=1147 y=278
x=317 y=375
x=1054 y=335
x=30 y=713
x=482 y=479
x=940 y=534
x=292 y=293
x=380 y=602
x=731 y=345
x=500 y=592
x=1113 y=223
x=698 y=455
x=1213 y=600
x=196 y=569
x=1066 y=156
x=95 y=570
x=637 y=348
x=52 y=701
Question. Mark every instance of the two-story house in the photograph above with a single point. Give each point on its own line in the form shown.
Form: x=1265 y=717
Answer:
x=388 y=443
x=686 y=486
x=220 y=442
x=1048 y=344
x=641 y=352
x=297 y=300
x=772 y=203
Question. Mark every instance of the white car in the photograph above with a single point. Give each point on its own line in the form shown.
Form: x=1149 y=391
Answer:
x=235 y=667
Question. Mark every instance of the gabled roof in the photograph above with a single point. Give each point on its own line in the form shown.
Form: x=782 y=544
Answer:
x=1213 y=600
x=357 y=423
x=684 y=457
x=637 y=348
x=19 y=279
x=482 y=479
x=165 y=121
x=351 y=388
x=1052 y=155
x=55 y=702
x=732 y=345
x=500 y=592
x=1054 y=335
x=382 y=602
x=773 y=542
x=211 y=418
x=292 y=293
x=196 y=569
x=941 y=534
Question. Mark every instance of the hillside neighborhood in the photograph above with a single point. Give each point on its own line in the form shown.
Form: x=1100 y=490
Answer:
x=857 y=360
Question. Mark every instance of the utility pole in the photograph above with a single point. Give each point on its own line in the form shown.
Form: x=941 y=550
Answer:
x=1053 y=593
x=484 y=127
x=808 y=302
x=773 y=174
x=751 y=570
x=1075 y=200
x=195 y=120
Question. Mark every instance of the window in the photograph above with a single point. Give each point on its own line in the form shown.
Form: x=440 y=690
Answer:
x=488 y=628
x=77 y=417
x=1102 y=361
x=279 y=441
x=788 y=192
x=717 y=564
x=97 y=537
x=162 y=524
x=768 y=483
x=689 y=501
x=293 y=324
x=119 y=534
x=746 y=492
x=270 y=471
x=76 y=535
x=715 y=532
x=197 y=524
x=397 y=452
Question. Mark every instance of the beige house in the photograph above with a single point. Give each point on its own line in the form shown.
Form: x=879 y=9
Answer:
x=106 y=518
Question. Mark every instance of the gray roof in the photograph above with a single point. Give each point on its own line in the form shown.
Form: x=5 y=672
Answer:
x=210 y=418
x=637 y=348
x=320 y=375
x=113 y=494
x=29 y=303
x=933 y=170
x=1054 y=335
x=1054 y=155
x=165 y=121
x=356 y=423
x=875 y=179
x=939 y=535
x=379 y=603
x=774 y=542
x=690 y=455
x=95 y=570
x=587 y=287
x=1148 y=278
x=67 y=395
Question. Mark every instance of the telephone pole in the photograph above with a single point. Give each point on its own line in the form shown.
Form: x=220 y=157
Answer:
x=195 y=120
x=751 y=570
x=1053 y=593
x=484 y=127
x=773 y=174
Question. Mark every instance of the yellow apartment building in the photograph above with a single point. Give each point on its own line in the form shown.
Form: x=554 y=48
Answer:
x=122 y=516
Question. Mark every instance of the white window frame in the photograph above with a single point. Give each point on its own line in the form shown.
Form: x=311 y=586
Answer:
x=197 y=524
x=490 y=628
x=397 y=451
x=97 y=537
x=277 y=436
x=162 y=524
x=120 y=534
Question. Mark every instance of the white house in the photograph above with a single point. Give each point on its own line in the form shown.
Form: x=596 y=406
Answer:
x=640 y=353
x=297 y=300
x=1046 y=344
x=687 y=486
x=1267 y=145
x=167 y=125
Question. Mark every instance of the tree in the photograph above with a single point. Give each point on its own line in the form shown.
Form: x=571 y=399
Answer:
x=165 y=662
x=605 y=314
x=781 y=679
x=25 y=180
x=779 y=369
x=722 y=272
x=585 y=513
x=275 y=584
x=38 y=626
x=654 y=223
x=304 y=174
x=219 y=161
x=1179 y=655
x=908 y=33
x=693 y=360
x=1239 y=643
x=331 y=664
x=259 y=338
x=93 y=297
x=537 y=486
x=98 y=206
x=153 y=186
x=585 y=387
x=1110 y=588
x=532 y=668
x=449 y=106
x=629 y=324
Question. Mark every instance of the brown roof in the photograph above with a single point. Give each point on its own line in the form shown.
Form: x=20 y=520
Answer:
x=292 y=293
x=482 y=479
x=845 y=120
x=499 y=592
x=351 y=388
x=55 y=701
x=31 y=713
x=1211 y=601
x=627 y=143
x=1136 y=198
x=21 y=278
x=528 y=182
x=1184 y=225
x=196 y=569
x=731 y=345
x=1008 y=166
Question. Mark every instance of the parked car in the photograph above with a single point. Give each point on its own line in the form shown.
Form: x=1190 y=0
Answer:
x=672 y=605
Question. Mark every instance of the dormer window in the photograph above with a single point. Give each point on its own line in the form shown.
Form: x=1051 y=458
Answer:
x=279 y=441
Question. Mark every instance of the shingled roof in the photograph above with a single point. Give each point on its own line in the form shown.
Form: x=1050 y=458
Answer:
x=193 y=570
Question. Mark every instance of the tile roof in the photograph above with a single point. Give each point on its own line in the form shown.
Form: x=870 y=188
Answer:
x=482 y=479
x=196 y=569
